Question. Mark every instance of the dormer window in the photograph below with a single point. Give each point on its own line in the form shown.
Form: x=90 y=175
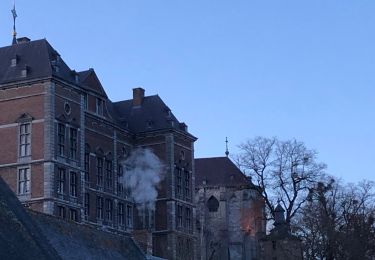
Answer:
x=14 y=61
x=24 y=71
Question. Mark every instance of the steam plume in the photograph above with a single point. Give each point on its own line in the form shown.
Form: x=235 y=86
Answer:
x=143 y=173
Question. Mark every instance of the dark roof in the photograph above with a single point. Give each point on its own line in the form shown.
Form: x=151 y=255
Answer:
x=219 y=171
x=90 y=81
x=152 y=115
x=75 y=241
x=26 y=234
x=40 y=59
x=20 y=238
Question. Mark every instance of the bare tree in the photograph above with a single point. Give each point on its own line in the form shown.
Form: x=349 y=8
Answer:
x=283 y=170
x=338 y=221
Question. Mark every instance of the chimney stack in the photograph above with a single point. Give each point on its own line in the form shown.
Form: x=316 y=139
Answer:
x=138 y=96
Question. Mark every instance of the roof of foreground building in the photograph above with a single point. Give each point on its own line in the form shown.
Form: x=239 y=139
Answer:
x=26 y=234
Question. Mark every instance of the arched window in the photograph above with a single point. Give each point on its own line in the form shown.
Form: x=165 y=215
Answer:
x=212 y=204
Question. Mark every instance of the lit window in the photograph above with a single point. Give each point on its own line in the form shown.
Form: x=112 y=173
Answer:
x=23 y=181
x=73 y=184
x=25 y=139
x=61 y=181
x=73 y=143
x=61 y=139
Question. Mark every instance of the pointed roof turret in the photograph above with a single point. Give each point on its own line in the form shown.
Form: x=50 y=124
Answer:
x=279 y=215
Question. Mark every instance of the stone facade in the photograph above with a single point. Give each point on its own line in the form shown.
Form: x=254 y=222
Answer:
x=63 y=142
x=230 y=211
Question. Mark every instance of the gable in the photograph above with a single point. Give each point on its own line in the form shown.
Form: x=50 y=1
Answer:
x=90 y=81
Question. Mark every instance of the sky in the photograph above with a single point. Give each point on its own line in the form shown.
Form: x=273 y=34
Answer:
x=236 y=69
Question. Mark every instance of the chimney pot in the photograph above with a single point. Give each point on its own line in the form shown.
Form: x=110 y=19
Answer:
x=138 y=96
x=23 y=40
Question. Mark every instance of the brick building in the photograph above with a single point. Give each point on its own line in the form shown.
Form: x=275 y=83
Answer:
x=63 y=141
x=230 y=211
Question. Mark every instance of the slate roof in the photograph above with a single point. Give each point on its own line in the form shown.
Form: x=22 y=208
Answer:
x=219 y=171
x=20 y=238
x=152 y=115
x=43 y=61
x=30 y=235
x=38 y=56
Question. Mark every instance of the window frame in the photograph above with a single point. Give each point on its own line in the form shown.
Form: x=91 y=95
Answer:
x=24 y=149
x=25 y=181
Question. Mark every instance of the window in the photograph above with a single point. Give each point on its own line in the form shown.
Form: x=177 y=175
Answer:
x=73 y=143
x=121 y=214
x=182 y=155
x=99 y=171
x=61 y=181
x=274 y=245
x=99 y=106
x=109 y=210
x=188 y=218
x=61 y=139
x=187 y=184
x=87 y=166
x=108 y=174
x=85 y=101
x=212 y=204
x=99 y=207
x=73 y=184
x=23 y=181
x=87 y=204
x=179 y=182
x=120 y=186
x=25 y=139
x=61 y=212
x=179 y=216
x=129 y=216
x=73 y=215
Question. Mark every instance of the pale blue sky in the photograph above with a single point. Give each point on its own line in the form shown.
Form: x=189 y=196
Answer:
x=293 y=69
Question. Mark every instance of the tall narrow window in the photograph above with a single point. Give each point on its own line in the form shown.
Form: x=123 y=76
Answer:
x=129 y=216
x=179 y=182
x=121 y=214
x=25 y=140
x=61 y=181
x=120 y=186
x=99 y=106
x=87 y=205
x=73 y=184
x=179 y=216
x=85 y=101
x=187 y=184
x=188 y=218
x=108 y=174
x=61 y=139
x=73 y=143
x=99 y=171
x=109 y=210
x=73 y=215
x=99 y=207
x=23 y=181
x=87 y=166
x=61 y=211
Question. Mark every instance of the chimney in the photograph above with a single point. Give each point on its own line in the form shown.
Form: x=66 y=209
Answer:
x=23 y=40
x=138 y=96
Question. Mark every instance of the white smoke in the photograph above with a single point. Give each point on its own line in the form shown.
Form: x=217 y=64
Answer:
x=142 y=175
